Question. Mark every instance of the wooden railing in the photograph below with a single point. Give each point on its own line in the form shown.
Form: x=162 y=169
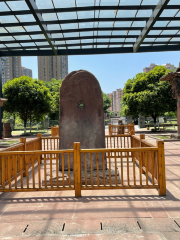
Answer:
x=120 y=129
x=11 y=166
x=118 y=141
x=50 y=143
x=40 y=176
x=149 y=161
x=54 y=131
x=119 y=167
x=113 y=129
x=120 y=171
x=115 y=141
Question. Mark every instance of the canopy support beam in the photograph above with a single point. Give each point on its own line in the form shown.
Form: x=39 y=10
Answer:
x=150 y=23
x=1 y=110
x=35 y=12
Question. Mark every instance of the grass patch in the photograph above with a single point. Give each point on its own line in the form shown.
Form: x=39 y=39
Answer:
x=8 y=142
x=33 y=132
x=163 y=137
x=169 y=128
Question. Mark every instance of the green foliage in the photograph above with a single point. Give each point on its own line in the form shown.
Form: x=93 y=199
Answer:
x=106 y=102
x=27 y=97
x=147 y=95
x=122 y=107
x=54 y=88
x=171 y=114
x=111 y=113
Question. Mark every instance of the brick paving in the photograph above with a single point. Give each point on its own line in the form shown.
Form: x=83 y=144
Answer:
x=98 y=214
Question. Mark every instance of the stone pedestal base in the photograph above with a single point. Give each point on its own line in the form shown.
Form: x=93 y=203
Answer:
x=175 y=136
x=66 y=178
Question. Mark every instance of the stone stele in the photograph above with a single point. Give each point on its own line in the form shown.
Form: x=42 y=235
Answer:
x=81 y=116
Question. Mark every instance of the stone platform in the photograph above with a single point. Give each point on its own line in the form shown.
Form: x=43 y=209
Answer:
x=66 y=177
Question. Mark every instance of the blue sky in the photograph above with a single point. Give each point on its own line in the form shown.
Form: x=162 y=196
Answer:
x=112 y=70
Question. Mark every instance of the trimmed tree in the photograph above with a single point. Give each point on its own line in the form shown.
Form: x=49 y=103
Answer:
x=28 y=97
x=106 y=102
x=54 y=87
x=147 y=95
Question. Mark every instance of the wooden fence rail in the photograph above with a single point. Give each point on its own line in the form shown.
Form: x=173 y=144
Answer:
x=120 y=129
x=113 y=129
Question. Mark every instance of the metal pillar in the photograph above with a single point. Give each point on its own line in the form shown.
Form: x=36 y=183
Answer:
x=1 y=110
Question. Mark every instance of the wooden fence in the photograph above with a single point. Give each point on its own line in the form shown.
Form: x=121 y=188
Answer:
x=120 y=129
x=9 y=166
x=115 y=141
x=113 y=129
x=129 y=162
x=150 y=160
x=54 y=131
x=40 y=176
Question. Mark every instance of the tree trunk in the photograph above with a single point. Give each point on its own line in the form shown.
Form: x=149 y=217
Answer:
x=154 y=118
x=30 y=124
x=14 y=116
x=25 y=127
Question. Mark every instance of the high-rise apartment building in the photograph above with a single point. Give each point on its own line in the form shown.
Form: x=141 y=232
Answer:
x=152 y=65
x=11 y=68
x=110 y=95
x=114 y=102
x=52 y=67
x=170 y=66
x=119 y=94
x=26 y=71
x=148 y=69
x=116 y=97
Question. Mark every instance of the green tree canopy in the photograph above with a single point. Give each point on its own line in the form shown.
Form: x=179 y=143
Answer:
x=147 y=95
x=54 y=88
x=106 y=102
x=28 y=97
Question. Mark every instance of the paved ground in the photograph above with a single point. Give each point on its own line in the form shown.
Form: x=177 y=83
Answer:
x=104 y=214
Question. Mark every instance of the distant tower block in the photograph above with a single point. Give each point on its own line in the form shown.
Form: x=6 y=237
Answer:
x=81 y=115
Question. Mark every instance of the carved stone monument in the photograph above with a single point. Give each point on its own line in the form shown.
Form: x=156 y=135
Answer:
x=174 y=79
x=81 y=115
x=46 y=122
x=141 y=121
x=129 y=119
x=12 y=123
x=7 y=130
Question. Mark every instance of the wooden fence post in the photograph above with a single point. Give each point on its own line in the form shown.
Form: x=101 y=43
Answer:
x=52 y=135
x=161 y=169
x=77 y=170
x=132 y=133
x=1 y=170
x=110 y=129
x=142 y=136
x=23 y=140
x=39 y=135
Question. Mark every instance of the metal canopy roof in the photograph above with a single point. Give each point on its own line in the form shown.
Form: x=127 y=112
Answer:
x=71 y=27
